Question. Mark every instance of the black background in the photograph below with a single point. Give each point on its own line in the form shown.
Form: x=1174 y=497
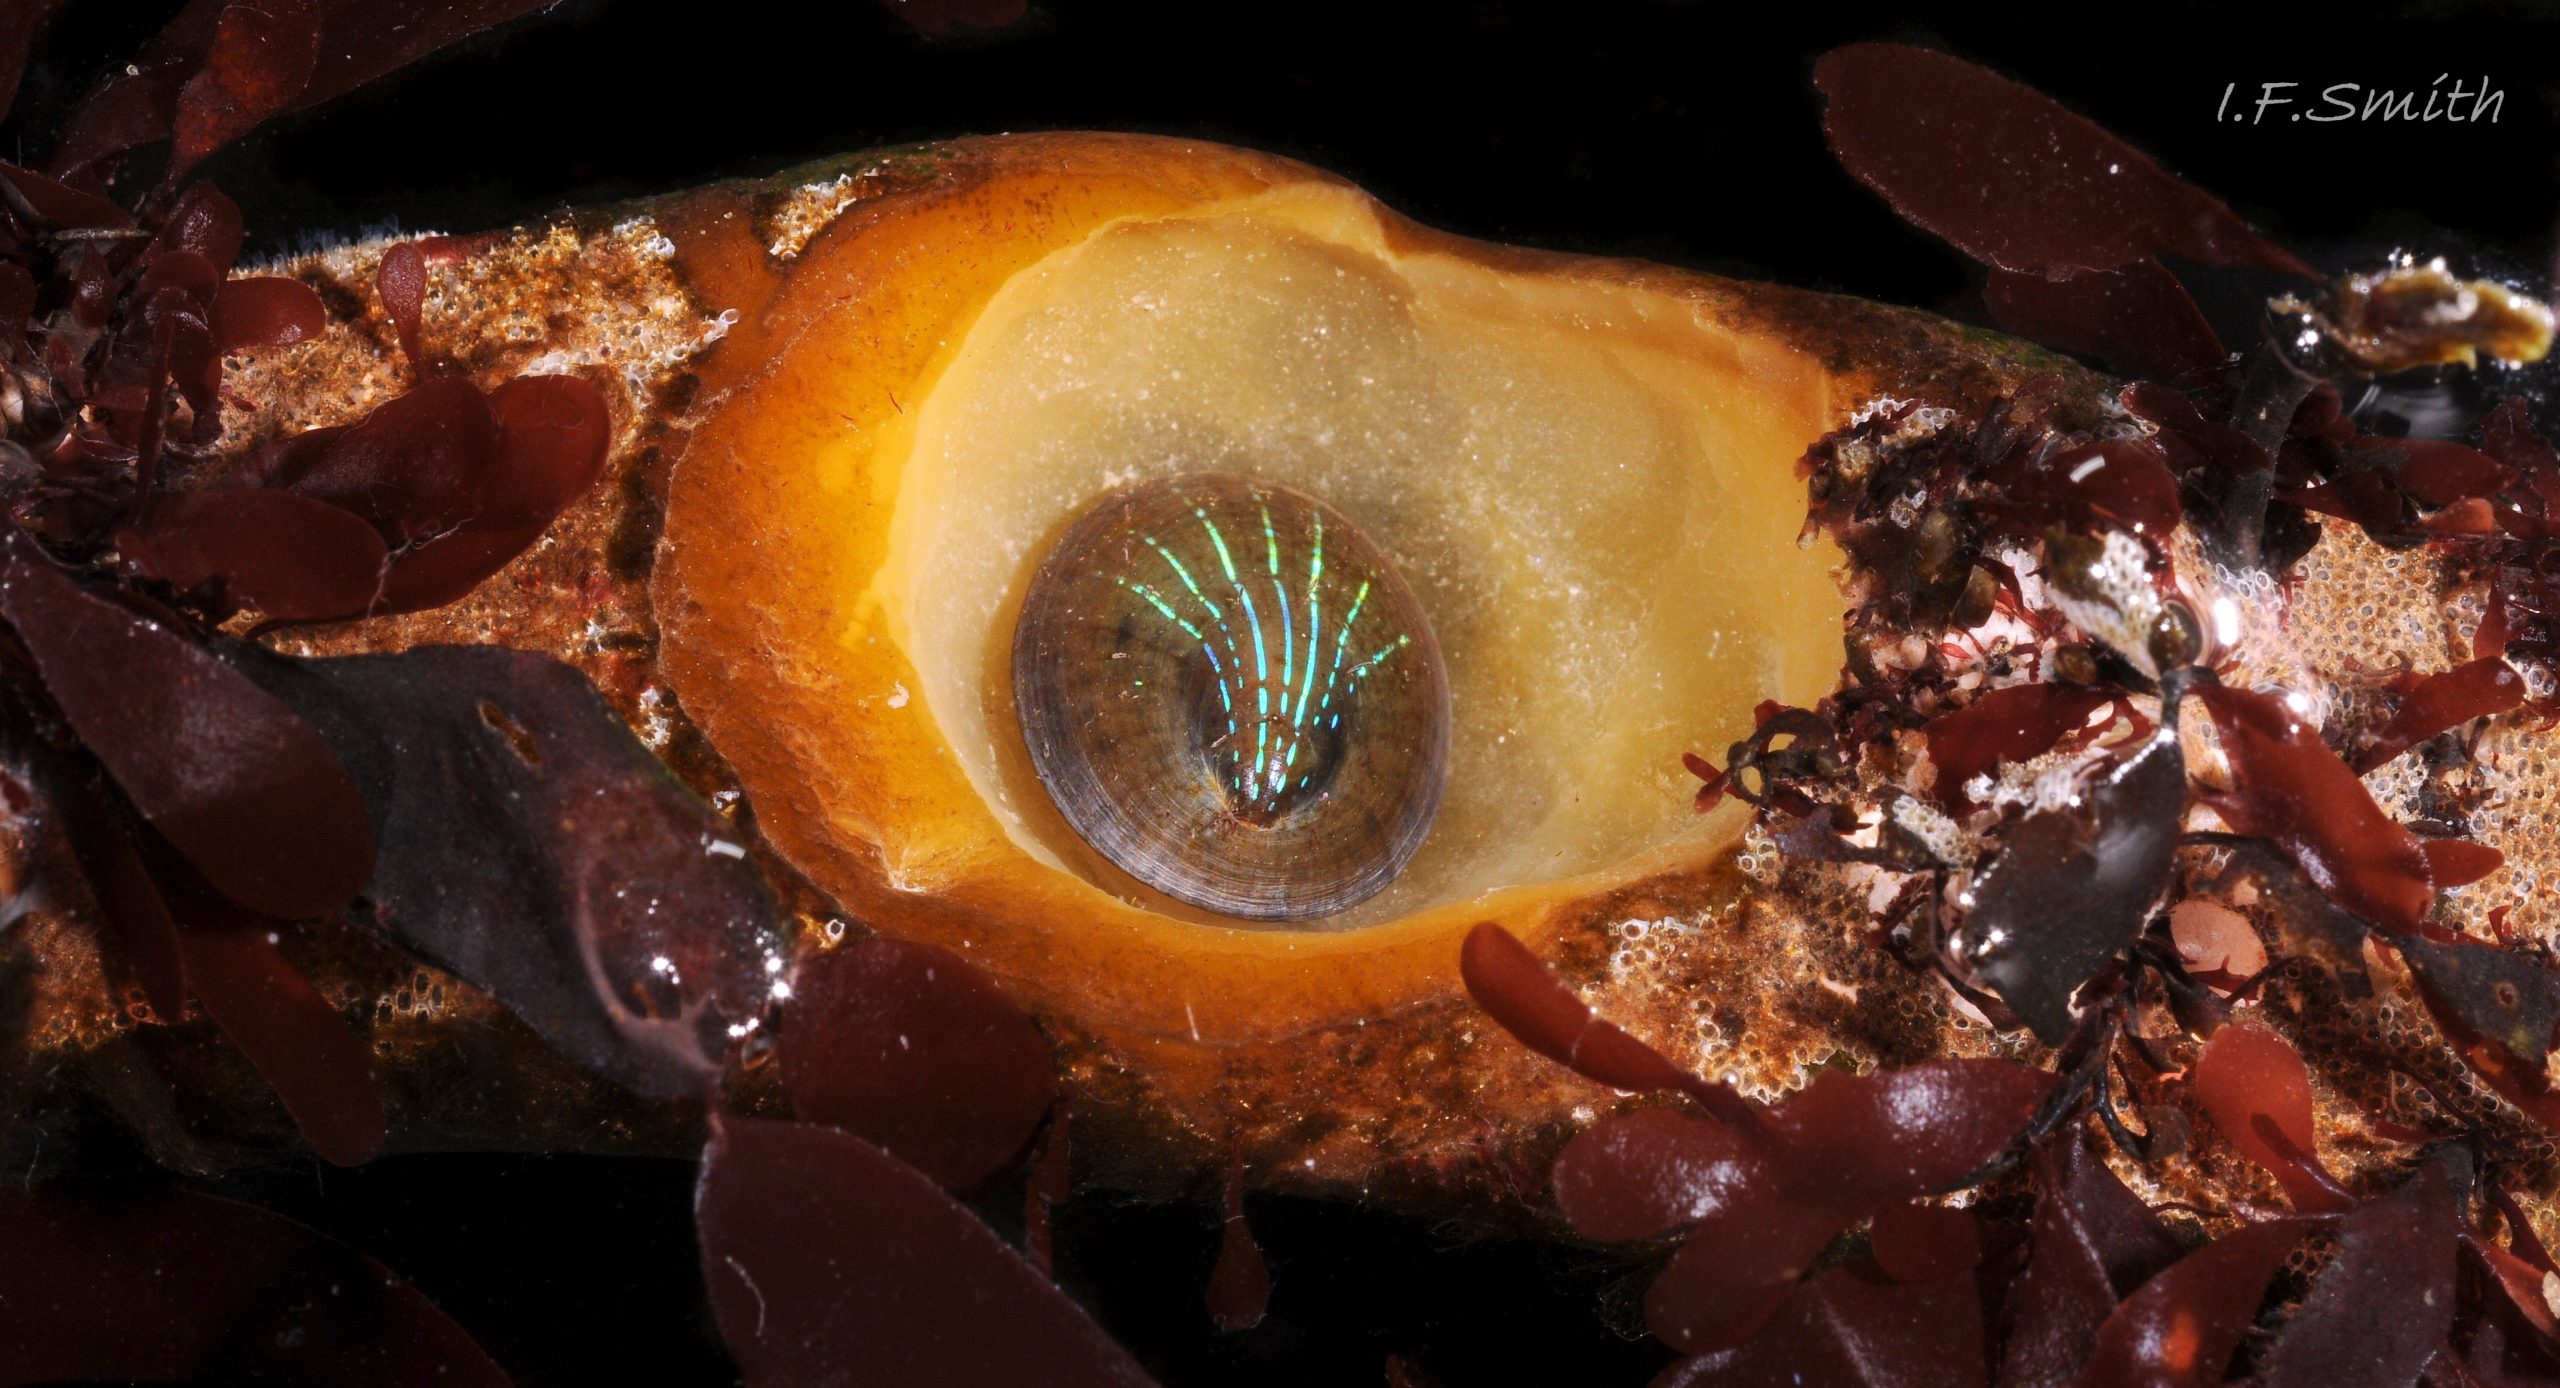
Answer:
x=1687 y=133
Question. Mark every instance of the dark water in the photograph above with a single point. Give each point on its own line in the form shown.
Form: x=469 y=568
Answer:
x=1678 y=132
x=1682 y=132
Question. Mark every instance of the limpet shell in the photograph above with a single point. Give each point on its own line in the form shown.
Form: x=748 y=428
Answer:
x=1233 y=696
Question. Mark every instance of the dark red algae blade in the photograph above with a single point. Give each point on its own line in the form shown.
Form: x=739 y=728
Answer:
x=2248 y=1079
x=2496 y=994
x=400 y=281
x=1894 y=1135
x=2385 y=1301
x=1052 y=1181
x=456 y=482
x=1239 y=1290
x=295 y=1038
x=19 y=25
x=553 y=432
x=913 y=1048
x=180 y=1287
x=2189 y=439
x=2504 y=1336
x=2440 y=472
x=1922 y=1243
x=552 y=437
x=2086 y=488
x=120 y=881
x=2460 y=862
x=292 y=558
x=447 y=568
x=1857 y=1329
x=61 y=204
x=2288 y=787
x=831 y=1262
x=361 y=40
x=1741 y=1263
x=2479 y=689
x=354 y=42
x=206 y=221
x=418 y=466
x=265 y=311
x=1640 y=1175
x=2180 y=1328
x=190 y=272
x=2136 y=318
x=236 y=781
x=1842 y=1149
x=1507 y=981
x=540 y=851
x=18 y=295
x=2013 y=177
x=2019 y=723
x=260 y=62
x=2009 y=176
x=182 y=347
x=2090 y=1243
x=2507 y=435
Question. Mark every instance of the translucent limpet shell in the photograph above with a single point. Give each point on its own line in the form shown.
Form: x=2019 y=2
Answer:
x=1232 y=695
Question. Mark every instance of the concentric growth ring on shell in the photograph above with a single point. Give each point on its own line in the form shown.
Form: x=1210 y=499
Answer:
x=1232 y=695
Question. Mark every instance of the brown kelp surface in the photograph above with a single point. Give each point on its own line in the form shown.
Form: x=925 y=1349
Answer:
x=2119 y=847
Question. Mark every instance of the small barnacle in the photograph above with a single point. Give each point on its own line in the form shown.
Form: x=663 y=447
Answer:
x=2103 y=583
x=1943 y=837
